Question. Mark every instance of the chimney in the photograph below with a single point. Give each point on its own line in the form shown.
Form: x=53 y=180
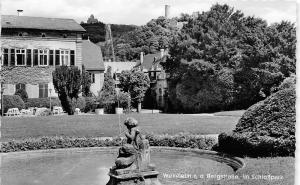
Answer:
x=162 y=53
x=20 y=12
x=167 y=11
x=142 y=57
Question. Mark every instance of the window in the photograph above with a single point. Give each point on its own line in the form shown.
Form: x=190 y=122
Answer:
x=5 y=57
x=20 y=57
x=57 y=61
x=51 y=57
x=28 y=57
x=12 y=57
x=20 y=86
x=43 y=90
x=64 y=57
x=43 y=34
x=92 y=77
x=35 y=57
x=43 y=56
x=72 y=58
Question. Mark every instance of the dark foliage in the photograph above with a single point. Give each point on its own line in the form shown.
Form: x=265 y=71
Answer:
x=12 y=101
x=22 y=93
x=67 y=84
x=257 y=57
x=266 y=128
x=86 y=82
x=70 y=142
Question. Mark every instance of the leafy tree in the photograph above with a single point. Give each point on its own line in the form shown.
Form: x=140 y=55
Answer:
x=136 y=84
x=106 y=96
x=256 y=56
x=67 y=84
x=86 y=82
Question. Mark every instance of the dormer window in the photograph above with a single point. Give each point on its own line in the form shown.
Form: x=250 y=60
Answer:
x=43 y=34
x=20 y=34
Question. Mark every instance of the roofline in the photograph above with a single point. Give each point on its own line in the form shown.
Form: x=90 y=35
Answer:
x=45 y=29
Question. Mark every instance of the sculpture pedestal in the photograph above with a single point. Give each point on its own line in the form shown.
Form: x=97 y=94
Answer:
x=140 y=178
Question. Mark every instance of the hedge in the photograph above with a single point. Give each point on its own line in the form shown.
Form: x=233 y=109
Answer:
x=42 y=102
x=12 y=101
x=72 y=142
x=265 y=129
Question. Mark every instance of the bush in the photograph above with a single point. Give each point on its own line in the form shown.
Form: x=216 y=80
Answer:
x=80 y=103
x=22 y=93
x=12 y=101
x=42 y=102
x=265 y=129
x=185 y=141
x=181 y=140
x=90 y=104
x=124 y=100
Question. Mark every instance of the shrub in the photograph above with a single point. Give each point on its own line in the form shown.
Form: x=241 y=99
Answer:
x=90 y=104
x=12 y=101
x=265 y=129
x=185 y=141
x=42 y=102
x=124 y=100
x=80 y=103
x=22 y=93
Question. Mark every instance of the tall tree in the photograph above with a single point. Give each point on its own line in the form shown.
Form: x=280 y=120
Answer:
x=67 y=84
x=136 y=83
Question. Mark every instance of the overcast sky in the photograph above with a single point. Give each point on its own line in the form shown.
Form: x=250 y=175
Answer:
x=139 y=12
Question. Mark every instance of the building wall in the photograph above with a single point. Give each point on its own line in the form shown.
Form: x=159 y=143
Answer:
x=38 y=43
x=32 y=90
x=99 y=80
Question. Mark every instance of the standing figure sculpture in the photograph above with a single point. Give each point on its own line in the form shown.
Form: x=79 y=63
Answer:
x=133 y=161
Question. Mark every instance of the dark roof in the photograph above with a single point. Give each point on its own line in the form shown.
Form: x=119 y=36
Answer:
x=92 y=56
x=40 y=23
x=149 y=61
x=26 y=75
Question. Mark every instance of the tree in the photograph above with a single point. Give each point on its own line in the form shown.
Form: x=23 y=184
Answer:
x=257 y=57
x=106 y=96
x=67 y=84
x=136 y=84
x=86 y=82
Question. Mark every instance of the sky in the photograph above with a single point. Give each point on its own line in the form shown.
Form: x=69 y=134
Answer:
x=139 y=12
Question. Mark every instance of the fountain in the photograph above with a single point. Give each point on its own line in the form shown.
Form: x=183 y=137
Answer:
x=132 y=165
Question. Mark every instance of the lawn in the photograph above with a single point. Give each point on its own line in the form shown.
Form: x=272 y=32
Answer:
x=107 y=125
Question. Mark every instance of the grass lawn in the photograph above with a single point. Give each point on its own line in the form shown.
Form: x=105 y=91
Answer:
x=107 y=125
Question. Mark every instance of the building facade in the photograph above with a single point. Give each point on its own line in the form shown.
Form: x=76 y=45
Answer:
x=33 y=46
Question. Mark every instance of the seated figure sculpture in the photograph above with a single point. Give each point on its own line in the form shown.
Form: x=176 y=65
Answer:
x=135 y=153
x=132 y=165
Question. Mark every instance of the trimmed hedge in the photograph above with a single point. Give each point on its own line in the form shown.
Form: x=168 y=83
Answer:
x=42 y=102
x=12 y=101
x=266 y=128
x=71 y=142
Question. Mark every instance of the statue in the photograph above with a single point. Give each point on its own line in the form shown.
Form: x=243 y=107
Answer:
x=133 y=162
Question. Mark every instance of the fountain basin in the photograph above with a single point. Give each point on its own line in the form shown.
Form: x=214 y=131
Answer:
x=79 y=166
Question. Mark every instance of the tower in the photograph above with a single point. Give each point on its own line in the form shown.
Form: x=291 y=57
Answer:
x=167 y=11
x=109 y=47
